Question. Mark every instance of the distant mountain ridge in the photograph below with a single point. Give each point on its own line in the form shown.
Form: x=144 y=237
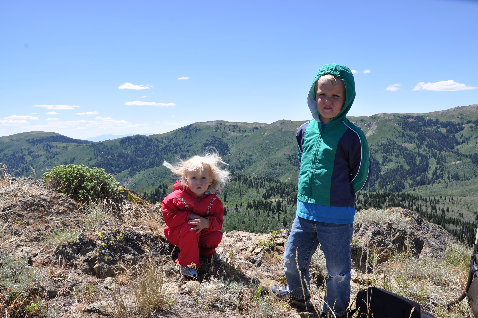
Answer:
x=107 y=137
x=429 y=151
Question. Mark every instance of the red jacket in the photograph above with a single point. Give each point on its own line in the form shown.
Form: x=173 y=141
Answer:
x=177 y=205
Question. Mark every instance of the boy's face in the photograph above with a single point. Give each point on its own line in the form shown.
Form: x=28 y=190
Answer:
x=330 y=97
x=199 y=181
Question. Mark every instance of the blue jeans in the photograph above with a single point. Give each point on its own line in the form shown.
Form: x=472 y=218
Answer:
x=335 y=241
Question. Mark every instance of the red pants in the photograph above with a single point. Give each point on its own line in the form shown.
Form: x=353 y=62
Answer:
x=192 y=245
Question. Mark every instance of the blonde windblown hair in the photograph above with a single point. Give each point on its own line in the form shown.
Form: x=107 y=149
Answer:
x=200 y=163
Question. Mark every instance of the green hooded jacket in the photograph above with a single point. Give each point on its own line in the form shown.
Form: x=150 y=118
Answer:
x=334 y=158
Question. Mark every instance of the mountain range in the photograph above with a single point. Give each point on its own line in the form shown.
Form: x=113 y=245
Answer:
x=424 y=162
x=431 y=153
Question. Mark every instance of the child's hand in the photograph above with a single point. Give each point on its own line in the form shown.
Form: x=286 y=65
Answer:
x=193 y=216
x=199 y=223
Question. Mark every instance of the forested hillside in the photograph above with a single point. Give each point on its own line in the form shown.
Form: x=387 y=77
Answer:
x=429 y=156
x=261 y=205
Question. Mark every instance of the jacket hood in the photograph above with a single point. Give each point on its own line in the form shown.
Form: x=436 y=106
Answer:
x=341 y=72
x=177 y=186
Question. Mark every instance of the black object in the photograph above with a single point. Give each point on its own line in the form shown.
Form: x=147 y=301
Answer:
x=471 y=288
x=375 y=302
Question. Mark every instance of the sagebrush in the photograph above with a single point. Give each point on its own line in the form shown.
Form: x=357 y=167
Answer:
x=82 y=183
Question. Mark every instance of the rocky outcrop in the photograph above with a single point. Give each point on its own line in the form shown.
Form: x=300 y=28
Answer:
x=405 y=232
x=88 y=262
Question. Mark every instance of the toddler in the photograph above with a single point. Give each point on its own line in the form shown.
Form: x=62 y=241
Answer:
x=193 y=212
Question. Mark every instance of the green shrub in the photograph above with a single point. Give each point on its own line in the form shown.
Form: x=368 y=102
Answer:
x=19 y=284
x=58 y=238
x=82 y=183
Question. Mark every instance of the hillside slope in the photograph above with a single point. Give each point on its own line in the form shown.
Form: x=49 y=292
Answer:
x=60 y=259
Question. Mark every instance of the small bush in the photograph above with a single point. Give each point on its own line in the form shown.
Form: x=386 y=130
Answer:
x=58 y=238
x=94 y=215
x=19 y=284
x=83 y=184
x=380 y=216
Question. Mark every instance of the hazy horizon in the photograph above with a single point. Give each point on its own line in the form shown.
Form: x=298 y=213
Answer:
x=104 y=137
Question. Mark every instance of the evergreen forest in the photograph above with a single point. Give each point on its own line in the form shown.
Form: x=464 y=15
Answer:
x=259 y=205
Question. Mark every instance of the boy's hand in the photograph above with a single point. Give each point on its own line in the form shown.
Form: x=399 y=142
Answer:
x=199 y=223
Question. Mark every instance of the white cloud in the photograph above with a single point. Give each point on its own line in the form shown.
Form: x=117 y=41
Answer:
x=176 y=123
x=12 y=122
x=86 y=127
x=88 y=113
x=364 y=71
x=141 y=103
x=184 y=78
x=133 y=86
x=393 y=87
x=52 y=113
x=111 y=120
x=57 y=107
x=16 y=120
x=442 y=86
x=16 y=117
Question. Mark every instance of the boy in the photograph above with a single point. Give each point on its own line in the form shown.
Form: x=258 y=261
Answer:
x=334 y=164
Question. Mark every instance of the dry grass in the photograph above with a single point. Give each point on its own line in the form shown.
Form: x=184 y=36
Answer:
x=428 y=280
x=431 y=281
x=380 y=216
x=236 y=287
x=147 y=292
x=4 y=175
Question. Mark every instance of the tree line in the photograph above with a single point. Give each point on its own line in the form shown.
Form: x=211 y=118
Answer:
x=261 y=204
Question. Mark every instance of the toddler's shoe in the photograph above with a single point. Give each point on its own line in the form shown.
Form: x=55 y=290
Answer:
x=216 y=258
x=280 y=291
x=188 y=272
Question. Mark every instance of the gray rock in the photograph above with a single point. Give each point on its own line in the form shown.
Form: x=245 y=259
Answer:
x=100 y=307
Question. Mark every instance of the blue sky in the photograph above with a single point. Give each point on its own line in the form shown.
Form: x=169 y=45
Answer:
x=90 y=68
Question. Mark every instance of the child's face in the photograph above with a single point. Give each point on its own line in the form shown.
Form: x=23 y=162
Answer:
x=199 y=181
x=330 y=96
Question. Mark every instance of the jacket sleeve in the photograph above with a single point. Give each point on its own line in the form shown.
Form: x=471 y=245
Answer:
x=171 y=214
x=216 y=216
x=359 y=162
x=300 y=140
